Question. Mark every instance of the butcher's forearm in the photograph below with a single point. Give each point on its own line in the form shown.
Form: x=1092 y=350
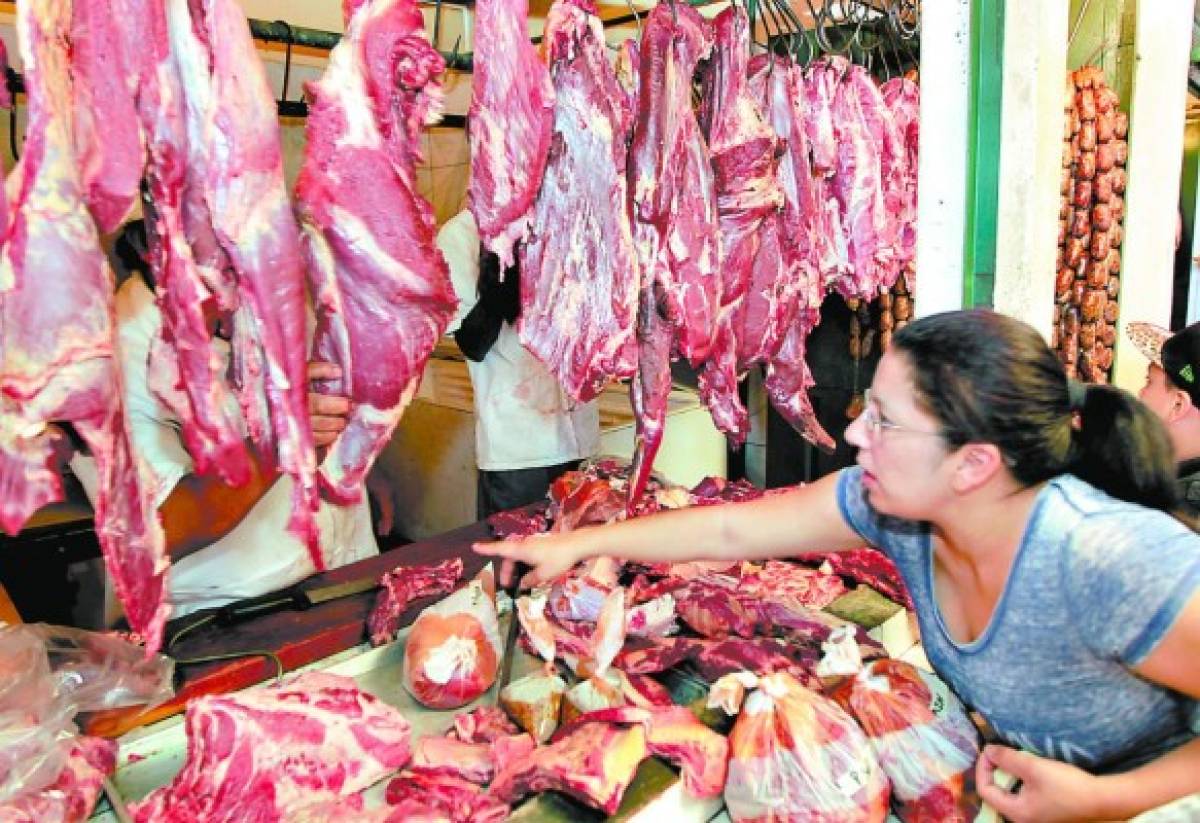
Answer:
x=202 y=509
x=1167 y=778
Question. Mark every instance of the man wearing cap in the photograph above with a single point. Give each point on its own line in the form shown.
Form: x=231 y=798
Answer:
x=1172 y=391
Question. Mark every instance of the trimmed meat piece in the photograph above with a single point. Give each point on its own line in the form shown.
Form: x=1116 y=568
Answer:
x=73 y=794
x=579 y=268
x=57 y=338
x=511 y=120
x=382 y=289
x=400 y=587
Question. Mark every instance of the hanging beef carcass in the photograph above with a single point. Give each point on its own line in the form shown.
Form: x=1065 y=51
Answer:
x=675 y=224
x=870 y=161
x=903 y=99
x=244 y=236
x=57 y=340
x=381 y=287
x=743 y=147
x=671 y=179
x=184 y=369
x=795 y=255
x=579 y=269
x=511 y=122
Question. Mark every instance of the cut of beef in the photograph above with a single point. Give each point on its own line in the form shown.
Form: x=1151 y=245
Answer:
x=789 y=379
x=57 y=338
x=903 y=99
x=595 y=763
x=483 y=725
x=579 y=272
x=421 y=794
x=381 y=287
x=183 y=368
x=859 y=181
x=260 y=754
x=236 y=162
x=73 y=794
x=651 y=387
x=475 y=762
x=791 y=585
x=400 y=587
x=869 y=566
x=674 y=733
x=671 y=179
x=511 y=121
x=108 y=143
x=518 y=522
x=743 y=149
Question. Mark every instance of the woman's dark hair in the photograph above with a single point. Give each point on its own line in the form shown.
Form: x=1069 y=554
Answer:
x=991 y=378
x=130 y=250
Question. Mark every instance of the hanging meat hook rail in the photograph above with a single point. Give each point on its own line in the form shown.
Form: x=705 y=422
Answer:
x=867 y=32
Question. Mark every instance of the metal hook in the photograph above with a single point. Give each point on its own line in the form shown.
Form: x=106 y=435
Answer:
x=637 y=21
x=10 y=80
x=287 y=59
x=674 y=13
x=437 y=23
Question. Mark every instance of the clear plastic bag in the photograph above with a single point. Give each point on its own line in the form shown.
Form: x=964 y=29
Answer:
x=921 y=735
x=47 y=675
x=796 y=756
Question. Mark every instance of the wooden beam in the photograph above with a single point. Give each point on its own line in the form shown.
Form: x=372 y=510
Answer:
x=8 y=611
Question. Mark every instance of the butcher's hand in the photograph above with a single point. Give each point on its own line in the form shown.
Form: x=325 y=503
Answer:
x=326 y=412
x=550 y=555
x=1049 y=791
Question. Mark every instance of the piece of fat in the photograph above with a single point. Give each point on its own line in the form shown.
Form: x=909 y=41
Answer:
x=599 y=692
x=535 y=703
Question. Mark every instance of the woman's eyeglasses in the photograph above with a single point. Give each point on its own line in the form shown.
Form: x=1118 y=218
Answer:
x=876 y=425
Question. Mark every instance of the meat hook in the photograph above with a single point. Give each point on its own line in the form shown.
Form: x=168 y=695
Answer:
x=287 y=58
x=637 y=21
x=10 y=80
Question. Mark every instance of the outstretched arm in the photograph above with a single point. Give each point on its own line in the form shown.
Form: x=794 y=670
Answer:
x=805 y=519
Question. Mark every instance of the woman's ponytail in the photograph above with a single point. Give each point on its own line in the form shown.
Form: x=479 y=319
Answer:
x=1122 y=448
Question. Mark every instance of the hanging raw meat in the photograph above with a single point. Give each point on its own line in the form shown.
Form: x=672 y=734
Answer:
x=245 y=237
x=511 y=119
x=57 y=337
x=796 y=256
x=671 y=179
x=675 y=224
x=579 y=269
x=903 y=99
x=381 y=287
x=867 y=150
x=743 y=149
x=183 y=368
x=108 y=142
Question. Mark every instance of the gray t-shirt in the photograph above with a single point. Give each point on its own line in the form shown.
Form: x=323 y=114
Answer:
x=1095 y=586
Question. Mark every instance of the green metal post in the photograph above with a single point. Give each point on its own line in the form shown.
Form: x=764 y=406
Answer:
x=983 y=151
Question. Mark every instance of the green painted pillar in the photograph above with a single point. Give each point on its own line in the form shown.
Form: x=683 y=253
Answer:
x=983 y=151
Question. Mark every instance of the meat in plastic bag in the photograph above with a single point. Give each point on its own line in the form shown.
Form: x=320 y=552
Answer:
x=73 y=794
x=797 y=757
x=47 y=675
x=922 y=737
x=453 y=650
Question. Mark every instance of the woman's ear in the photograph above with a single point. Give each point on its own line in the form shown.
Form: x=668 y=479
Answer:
x=978 y=463
x=1181 y=404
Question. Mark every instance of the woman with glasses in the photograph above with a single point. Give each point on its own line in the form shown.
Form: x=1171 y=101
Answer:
x=1031 y=521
